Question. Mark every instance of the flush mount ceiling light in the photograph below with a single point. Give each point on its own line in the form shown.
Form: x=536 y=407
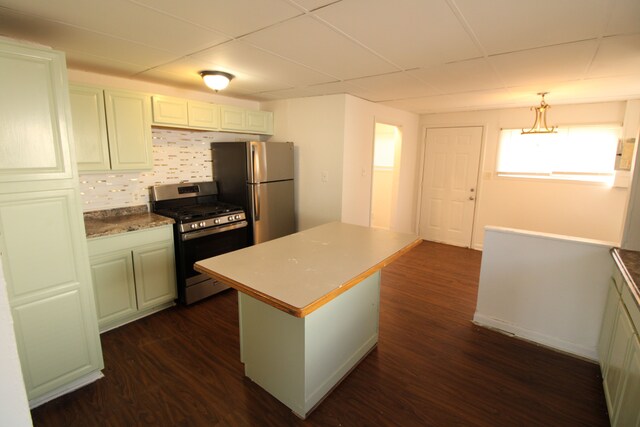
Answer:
x=540 y=124
x=216 y=80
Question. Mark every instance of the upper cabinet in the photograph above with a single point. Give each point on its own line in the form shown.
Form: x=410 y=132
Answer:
x=34 y=112
x=260 y=122
x=183 y=113
x=238 y=119
x=89 y=128
x=112 y=129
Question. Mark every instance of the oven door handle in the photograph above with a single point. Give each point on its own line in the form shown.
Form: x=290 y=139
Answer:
x=213 y=230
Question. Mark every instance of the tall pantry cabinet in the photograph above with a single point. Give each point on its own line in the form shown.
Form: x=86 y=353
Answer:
x=42 y=239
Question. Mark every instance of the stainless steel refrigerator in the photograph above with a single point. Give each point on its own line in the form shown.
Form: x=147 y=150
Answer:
x=257 y=175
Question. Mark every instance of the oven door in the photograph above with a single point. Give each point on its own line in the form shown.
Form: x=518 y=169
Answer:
x=201 y=244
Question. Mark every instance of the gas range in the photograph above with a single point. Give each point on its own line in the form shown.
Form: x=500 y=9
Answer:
x=194 y=206
x=211 y=214
x=205 y=227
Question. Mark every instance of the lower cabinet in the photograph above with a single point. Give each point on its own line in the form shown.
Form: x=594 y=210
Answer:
x=627 y=412
x=619 y=352
x=133 y=275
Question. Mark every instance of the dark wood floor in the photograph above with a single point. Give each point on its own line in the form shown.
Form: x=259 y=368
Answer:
x=432 y=366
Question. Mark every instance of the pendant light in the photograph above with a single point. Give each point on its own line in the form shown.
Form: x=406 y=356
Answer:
x=540 y=123
x=216 y=80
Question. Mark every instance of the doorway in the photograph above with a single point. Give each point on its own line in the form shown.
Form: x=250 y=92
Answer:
x=387 y=145
x=449 y=184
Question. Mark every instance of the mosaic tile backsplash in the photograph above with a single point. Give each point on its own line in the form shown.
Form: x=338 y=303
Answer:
x=178 y=156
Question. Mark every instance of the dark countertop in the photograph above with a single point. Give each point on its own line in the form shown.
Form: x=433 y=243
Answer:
x=629 y=263
x=121 y=220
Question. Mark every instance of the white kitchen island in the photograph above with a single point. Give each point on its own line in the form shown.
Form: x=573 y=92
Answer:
x=309 y=306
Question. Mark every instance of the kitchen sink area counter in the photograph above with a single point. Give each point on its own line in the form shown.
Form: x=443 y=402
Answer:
x=121 y=220
x=308 y=306
x=628 y=262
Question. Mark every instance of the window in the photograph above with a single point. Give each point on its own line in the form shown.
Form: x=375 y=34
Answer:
x=575 y=153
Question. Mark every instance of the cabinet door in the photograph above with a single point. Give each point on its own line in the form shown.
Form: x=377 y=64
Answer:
x=169 y=111
x=608 y=323
x=260 y=122
x=620 y=341
x=204 y=115
x=129 y=130
x=35 y=126
x=233 y=118
x=154 y=267
x=114 y=285
x=46 y=267
x=628 y=411
x=89 y=128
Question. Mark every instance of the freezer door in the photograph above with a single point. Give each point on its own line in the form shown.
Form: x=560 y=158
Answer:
x=272 y=210
x=269 y=161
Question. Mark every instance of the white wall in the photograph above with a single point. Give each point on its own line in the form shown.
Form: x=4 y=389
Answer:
x=85 y=77
x=559 y=306
x=316 y=127
x=585 y=210
x=334 y=134
x=361 y=117
x=14 y=407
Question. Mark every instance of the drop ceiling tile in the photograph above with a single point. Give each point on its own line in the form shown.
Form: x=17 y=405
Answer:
x=625 y=17
x=411 y=33
x=591 y=90
x=390 y=86
x=317 y=90
x=458 y=102
x=456 y=77
x=617 y=55
x=125 y=20
x=313 y=4
x=241 y=57
x=233 y=18
x=84 y=44
x=311 y=43
x=545 y=65
x=506 y=25
x=285 y=94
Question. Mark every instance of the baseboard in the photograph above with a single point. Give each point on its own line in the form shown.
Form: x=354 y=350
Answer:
x=553 y=343
x=68 y=388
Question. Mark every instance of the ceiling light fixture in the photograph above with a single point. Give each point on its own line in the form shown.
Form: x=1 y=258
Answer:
x=540 y=124
x=216 y=80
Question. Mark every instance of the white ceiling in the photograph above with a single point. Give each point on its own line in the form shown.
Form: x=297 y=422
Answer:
x=418 y=55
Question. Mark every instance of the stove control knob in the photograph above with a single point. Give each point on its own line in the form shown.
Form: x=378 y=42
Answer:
x=202 y=224
x=237 y=216
x=194 y=226
x=230 y=218
x=216 y=221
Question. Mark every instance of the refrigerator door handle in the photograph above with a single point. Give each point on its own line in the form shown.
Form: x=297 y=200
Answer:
x=256 y=203
x=254 y=171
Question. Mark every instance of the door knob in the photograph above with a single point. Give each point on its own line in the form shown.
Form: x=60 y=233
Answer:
x=471 y=198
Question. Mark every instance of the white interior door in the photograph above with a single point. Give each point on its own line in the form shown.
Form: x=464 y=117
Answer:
x=449 y=184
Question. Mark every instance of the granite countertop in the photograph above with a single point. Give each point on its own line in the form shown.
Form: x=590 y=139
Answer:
x=121 y=220
x=629 y=261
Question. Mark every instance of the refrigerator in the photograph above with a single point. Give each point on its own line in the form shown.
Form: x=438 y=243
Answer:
x=257 y=175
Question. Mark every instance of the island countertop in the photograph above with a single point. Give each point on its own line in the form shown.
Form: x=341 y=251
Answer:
x=301 y=272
